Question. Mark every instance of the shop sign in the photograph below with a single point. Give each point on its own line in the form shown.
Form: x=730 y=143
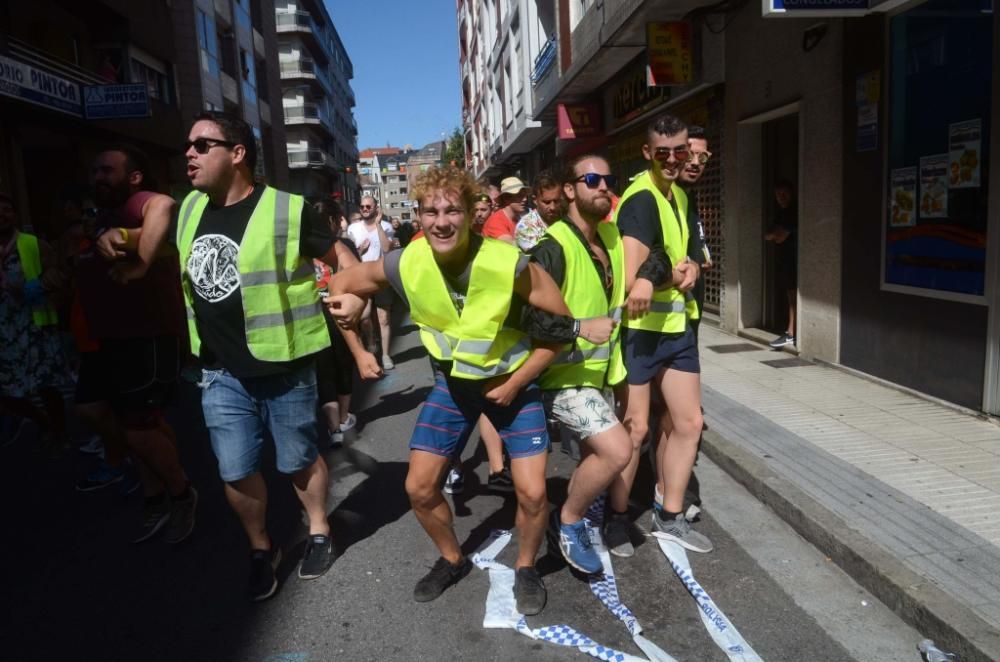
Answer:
x=631 y=96
x=669 y=59
x=582 y=120
x=115 y=101
x=23 y=81
x=790 y=8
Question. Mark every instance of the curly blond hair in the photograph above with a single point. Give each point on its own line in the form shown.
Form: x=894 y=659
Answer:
x=446 y=178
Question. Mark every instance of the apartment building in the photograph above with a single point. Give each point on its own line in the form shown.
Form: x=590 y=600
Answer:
x=318 y=102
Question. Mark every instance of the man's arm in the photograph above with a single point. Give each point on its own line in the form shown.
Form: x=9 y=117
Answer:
x=368 y=366
x=539 y=290
x=148 y=241
x=362 y=280
x=503 y=389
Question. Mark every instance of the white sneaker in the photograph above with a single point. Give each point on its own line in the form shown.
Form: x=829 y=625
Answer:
x=94 y=446
x=387 y=363
x=349 y=424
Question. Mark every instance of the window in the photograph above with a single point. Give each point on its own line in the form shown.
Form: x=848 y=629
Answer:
x=157 y=82
x=935 y=229
x=247 y=67
x=208 y=43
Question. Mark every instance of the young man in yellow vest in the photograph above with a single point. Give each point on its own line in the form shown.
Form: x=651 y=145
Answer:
x=584 y=256
x=256 y=321
x=467 y=294
x=659 y=346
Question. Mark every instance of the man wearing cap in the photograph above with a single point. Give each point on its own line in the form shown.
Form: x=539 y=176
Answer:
x=502 y=224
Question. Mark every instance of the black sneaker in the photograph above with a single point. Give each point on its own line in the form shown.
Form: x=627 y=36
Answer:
x=181 y=522
x=441 y=576
x=155 y=513
x=319 y=556
x=784 y=340
x=501 y=481
x=617 y=534
x=454 y=483
x=529 y=591
x=263 y=581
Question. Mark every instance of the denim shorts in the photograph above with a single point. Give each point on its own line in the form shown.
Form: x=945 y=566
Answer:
x=239 y=411
x=453 y=407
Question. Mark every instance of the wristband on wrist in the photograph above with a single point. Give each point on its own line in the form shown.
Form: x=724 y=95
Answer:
x=124 y=234
x=576 y=328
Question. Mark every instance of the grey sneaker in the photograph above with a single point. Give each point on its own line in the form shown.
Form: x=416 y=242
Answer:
x=155 y=513
x=529 y=591
x=679 y=530
x=784 y=340
x=181 y=522
x=617 y=534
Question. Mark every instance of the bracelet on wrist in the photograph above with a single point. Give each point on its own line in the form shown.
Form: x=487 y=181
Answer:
x=576 y=328
x=124 y=234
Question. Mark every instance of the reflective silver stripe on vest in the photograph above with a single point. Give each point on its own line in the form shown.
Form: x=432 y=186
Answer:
x=186 y=216
x=480 y=347
x=283 y=318
x=577 y=355
x=281 y=202
x=616 y=314
x=511 y=357
x=443 y=342
x=305 y=270
x=666 y=307
x=190 y=313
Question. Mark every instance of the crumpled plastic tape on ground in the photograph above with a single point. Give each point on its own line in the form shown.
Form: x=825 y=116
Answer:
x=501 y=610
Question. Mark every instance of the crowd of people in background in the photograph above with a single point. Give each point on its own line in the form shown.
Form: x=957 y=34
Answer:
x=569 y=307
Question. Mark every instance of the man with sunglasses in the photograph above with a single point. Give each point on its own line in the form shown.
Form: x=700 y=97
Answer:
x=502 y=224
x=371 y=236
x=585 y=258
x=659 y=346
x=255 y=321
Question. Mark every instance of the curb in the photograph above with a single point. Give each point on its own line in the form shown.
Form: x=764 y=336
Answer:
x=931 y=611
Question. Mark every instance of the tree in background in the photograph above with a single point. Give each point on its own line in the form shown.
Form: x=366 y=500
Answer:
x=454 y=151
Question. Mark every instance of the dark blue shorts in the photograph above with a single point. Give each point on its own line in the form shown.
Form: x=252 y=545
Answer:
x=648 y=352
x=452 y=410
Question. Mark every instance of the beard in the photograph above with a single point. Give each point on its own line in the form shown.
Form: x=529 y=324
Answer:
x=109 y=196
x=596 y=208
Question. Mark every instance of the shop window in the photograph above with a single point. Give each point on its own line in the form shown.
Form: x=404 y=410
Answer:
x=940 y=82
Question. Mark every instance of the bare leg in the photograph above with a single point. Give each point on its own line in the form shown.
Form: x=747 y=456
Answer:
x=637 y=423
x=611 y=453
x=682 y=393
x=157 y=450
x=528 y=474
x=423 y=482
x=248 y=498
x=791 y=311
x=344 y=405
x=311 y=487
x=492 y=442
x=331 y=412
x=384 y=320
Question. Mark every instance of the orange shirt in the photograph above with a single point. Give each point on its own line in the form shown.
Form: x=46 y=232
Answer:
x=498 y=225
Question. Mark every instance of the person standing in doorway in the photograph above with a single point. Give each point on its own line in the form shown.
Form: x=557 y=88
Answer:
x=784 y=234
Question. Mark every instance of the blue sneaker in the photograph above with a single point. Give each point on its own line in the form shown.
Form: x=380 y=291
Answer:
x=103 y=476
x=577 y=549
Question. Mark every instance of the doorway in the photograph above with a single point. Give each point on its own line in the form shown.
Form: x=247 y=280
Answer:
x=779 y=213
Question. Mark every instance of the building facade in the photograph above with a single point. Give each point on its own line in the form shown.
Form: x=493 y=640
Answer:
x=318 y=102
x=370 y=170
x=880 y=119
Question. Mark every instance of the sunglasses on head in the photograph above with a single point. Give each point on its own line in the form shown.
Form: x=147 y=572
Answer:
x=202 y=145
x=593 y=180
x=681 y=153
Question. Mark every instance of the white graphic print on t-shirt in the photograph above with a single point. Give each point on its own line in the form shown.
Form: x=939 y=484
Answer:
x=213 y=267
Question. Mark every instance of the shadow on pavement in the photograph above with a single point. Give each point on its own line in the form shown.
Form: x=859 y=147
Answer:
x=411 y=354
x=380 y=500
x=392 y=404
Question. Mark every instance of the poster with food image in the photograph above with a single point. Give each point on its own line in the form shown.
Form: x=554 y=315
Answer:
x=965 y=150
x=934 y=186
x=903 y=197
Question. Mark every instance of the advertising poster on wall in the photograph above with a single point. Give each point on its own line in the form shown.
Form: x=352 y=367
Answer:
x=934 y=186
x=965 y=146
x=903 y=198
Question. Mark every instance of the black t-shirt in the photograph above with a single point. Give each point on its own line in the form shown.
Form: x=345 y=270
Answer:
x=639 y=218
x=215 y=284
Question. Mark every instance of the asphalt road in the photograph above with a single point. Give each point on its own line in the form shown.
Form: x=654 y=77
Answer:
x=77 y=589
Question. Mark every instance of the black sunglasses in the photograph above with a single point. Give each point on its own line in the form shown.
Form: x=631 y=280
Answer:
x=593 y=180
x=202 y=145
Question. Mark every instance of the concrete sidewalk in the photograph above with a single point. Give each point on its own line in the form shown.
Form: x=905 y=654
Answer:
x=903 y=493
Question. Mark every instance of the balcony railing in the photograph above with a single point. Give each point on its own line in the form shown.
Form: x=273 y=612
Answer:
x=544 y=61
x=295 y=21
x=308 y=158
x=305 y=68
